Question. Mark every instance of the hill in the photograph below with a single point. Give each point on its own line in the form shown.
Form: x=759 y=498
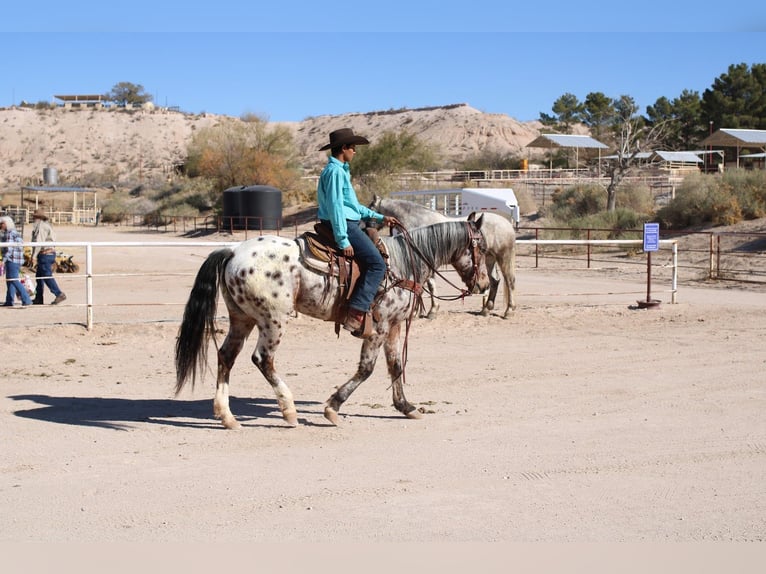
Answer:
x=130 y=147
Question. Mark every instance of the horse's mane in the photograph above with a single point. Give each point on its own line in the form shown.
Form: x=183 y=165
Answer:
x=437 y=243
x=411 y=214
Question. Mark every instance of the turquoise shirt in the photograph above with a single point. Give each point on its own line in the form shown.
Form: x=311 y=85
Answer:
x=338 y=202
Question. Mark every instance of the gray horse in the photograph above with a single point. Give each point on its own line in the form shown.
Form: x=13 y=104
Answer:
x=501 y=247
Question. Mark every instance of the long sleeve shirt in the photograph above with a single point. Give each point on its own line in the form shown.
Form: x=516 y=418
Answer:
x=14 y=253
x=42 y=232
x=338 y=202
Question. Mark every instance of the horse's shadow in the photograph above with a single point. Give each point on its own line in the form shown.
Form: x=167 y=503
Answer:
x=123 y=414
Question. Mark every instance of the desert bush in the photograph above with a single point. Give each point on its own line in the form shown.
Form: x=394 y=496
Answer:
x=576 y=202
x=636 y=197
x=706 y=200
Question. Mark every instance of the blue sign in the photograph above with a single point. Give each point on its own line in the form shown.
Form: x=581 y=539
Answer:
x=651 y=236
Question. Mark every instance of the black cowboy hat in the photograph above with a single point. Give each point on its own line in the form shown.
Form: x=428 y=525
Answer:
x=344 y=136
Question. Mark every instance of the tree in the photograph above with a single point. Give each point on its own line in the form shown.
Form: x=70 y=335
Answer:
x=568 y=110
x=597 y=114
x=126 y=93
x=684 y=126
x=394 y=152
x=632 y=135
x=244 y=152
x=737 y=98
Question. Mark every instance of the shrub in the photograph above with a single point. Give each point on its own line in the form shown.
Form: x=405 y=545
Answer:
x=713 y=200
x=577 y=201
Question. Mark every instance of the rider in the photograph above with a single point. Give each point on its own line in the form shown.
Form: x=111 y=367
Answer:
x=340 y=208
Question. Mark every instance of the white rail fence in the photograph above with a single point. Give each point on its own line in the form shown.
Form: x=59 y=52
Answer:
x=90 y=271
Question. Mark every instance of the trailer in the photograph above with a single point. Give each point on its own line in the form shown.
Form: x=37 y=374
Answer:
x=462 y=201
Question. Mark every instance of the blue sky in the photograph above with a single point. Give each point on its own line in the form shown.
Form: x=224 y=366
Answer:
x=301 y=59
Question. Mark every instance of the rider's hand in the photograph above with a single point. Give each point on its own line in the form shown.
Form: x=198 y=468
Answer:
x=391 y=221
x=348 y=251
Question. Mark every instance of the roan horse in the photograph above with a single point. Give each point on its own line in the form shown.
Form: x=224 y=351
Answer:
x=264 y=279
x=501 y=247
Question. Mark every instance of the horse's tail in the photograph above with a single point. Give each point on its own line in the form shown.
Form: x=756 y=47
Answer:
x=198 y=324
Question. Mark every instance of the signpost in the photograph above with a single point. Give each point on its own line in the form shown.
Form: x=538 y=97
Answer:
x=651 y=243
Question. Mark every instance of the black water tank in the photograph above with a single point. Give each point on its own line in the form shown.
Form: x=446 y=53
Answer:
x=261 y=207
x=232 y=208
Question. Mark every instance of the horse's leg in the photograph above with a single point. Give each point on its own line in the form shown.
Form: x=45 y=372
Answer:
x=508 y=267
x=240 y=326
x=393 y=351
x=369 y=355
x=434 y=309
x=488 y=302
x=269 y=336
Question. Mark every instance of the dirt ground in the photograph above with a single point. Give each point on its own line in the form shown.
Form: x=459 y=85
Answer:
x=581 y=418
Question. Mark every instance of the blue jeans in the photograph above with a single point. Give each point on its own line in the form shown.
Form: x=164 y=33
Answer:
x=12 y=271
x=372 y=267
x=45 y=269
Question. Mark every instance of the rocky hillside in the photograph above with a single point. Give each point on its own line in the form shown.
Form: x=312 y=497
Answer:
x=132 y=146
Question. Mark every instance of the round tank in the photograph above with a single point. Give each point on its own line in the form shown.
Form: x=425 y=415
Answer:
x=50 y=176
x=232 y=208
x=261 y=207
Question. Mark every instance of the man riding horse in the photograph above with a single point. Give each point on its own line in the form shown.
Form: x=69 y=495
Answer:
x=340 y=209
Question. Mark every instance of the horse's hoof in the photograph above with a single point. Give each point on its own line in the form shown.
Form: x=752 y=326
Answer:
x=331 y=415
x=231 y=423
x=414 y=414
x=485 y=312
x=291 y=418
x=490 y=305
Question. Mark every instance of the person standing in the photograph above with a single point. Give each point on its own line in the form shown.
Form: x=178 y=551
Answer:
x=13 y=259
x=339 y=207
x=46 y=258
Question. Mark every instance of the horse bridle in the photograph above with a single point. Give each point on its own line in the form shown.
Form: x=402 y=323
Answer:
x=478 y=246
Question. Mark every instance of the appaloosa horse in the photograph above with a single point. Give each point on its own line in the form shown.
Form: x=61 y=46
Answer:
x=264 y=279
x=501 y=247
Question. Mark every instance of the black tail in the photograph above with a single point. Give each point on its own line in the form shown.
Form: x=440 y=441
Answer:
x=199 y=318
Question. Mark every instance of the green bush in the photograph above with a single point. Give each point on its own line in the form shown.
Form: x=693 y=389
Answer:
x=577 y=202
x=716 y=200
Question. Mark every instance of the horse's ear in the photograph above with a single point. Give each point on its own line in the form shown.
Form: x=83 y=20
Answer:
x=472 y=216
x=375 y=201
x=479 y=221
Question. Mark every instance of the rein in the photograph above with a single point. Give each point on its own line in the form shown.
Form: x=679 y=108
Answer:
x=473 y=241
x=417 y=289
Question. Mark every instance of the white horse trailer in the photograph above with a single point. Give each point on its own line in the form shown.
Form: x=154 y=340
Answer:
x=462 y=201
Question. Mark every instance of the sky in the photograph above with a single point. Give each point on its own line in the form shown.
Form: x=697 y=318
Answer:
x=296 y=60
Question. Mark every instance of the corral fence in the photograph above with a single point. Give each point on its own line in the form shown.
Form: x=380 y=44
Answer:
x=705 y=256
x=91 y=272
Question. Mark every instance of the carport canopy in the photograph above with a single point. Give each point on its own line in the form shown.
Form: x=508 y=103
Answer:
x=577 y=142
x=737 y=138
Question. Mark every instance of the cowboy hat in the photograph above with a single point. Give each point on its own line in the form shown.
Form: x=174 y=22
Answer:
x=39 y=214
x=344 y=136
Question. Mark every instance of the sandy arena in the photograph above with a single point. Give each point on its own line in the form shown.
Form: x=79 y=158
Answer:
x=578 y=419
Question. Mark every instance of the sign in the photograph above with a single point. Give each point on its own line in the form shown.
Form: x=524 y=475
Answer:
x=651 y=236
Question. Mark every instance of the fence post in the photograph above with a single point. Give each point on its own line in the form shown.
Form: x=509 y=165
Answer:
x=89 y=286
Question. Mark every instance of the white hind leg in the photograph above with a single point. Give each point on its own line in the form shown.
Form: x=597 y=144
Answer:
x=239 y=328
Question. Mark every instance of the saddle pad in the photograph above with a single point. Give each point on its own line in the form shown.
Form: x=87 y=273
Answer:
x=317 y=254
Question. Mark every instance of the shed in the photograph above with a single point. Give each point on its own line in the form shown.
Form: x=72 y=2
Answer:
x=758 y=158
x=737 y=138
x=549 y=141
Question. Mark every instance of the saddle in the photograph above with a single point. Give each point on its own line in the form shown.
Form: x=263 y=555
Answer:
x=320 y=252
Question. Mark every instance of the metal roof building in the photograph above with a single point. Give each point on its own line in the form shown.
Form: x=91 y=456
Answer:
x=577 y=142
x=737 y=138
x=564 y=140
